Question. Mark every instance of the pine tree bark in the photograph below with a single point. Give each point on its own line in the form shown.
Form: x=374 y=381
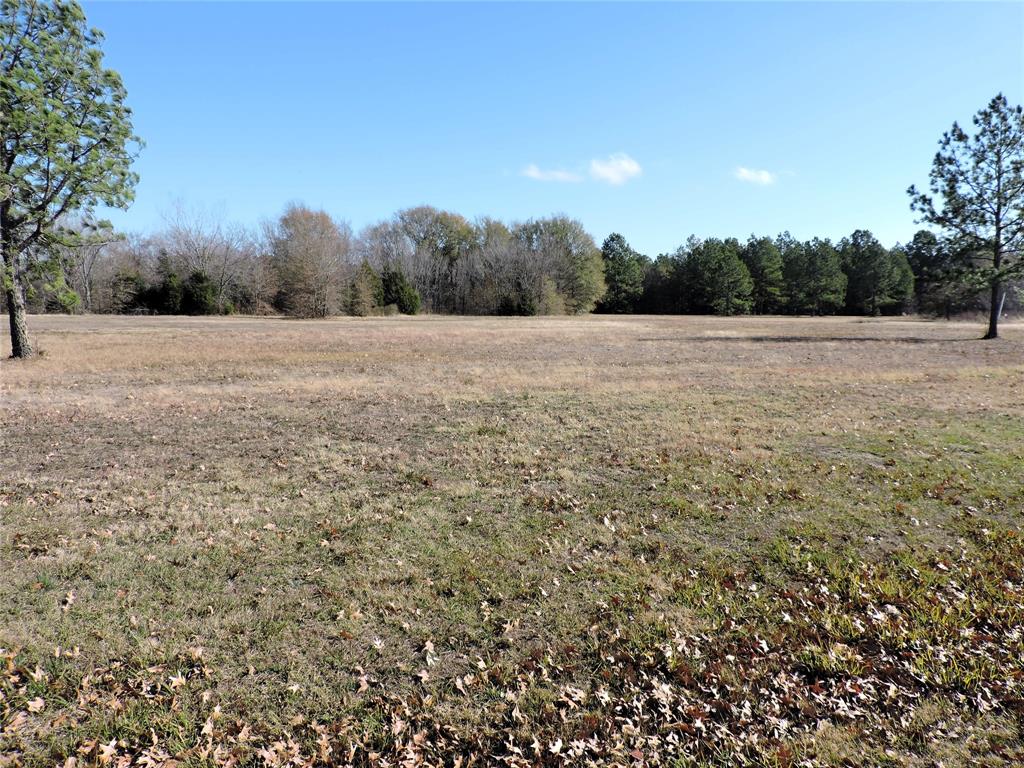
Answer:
x=993 y=309
x=21 y=345
x=993 y=312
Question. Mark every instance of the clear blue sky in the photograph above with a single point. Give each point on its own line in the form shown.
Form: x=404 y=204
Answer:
x=632 y=118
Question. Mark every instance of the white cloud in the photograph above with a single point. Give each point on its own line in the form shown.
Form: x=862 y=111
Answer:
x=755 y=176
x=615 y=169
x=532 y=171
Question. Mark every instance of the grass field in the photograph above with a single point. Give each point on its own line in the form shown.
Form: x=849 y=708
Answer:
x=566 y=541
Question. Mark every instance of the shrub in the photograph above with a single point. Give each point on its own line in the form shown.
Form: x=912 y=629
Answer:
x=366 y=294
x=397 y=290
x=198 y=295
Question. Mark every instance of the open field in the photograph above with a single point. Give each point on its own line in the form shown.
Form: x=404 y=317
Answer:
x=565 y=541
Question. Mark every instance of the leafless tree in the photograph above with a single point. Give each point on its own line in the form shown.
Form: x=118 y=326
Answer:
x=312 y=257
x=81 y=254
x=197 y=241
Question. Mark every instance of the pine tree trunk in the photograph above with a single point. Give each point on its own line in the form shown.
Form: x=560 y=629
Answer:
x=993 y=312
x=993 y=308
x=15 y=298
x=20 y=344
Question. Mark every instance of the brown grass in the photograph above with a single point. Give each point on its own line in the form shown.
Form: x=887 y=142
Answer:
x=329 y=508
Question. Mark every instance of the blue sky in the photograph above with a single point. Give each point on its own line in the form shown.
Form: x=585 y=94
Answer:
x=654 y=120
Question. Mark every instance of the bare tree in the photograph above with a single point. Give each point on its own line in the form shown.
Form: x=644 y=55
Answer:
x=312 y=257
x=80 y=251
x=386 y=244
x=198 y=241
x=125 y=266
x=258 y=280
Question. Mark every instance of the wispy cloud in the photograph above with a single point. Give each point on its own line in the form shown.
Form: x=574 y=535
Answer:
x=533 y=171
x=615 y=169
x=755 y=176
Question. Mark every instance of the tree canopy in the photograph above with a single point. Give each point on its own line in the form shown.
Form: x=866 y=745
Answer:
x=624 y=271
x=815 y=282
x=764 y=263
x=66 y=138
x=876 y=277
x=977 y=200
x=718 y=281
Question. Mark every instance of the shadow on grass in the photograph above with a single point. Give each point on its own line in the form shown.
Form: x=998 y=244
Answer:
x=805 y=339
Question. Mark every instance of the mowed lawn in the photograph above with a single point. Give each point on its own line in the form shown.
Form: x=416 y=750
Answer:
x=552 y=541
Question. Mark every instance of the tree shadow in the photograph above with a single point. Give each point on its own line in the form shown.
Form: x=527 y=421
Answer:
x=805 y=339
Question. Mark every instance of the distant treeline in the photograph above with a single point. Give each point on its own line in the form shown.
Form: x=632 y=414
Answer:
x=783 y=275
x=307 y=264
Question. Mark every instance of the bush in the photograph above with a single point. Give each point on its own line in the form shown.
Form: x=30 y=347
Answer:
x=366 y=294
x=126 y=288
x=198 y=295
x=164 y=297
x=397 y=290
x=551 y=301
x=519 y=304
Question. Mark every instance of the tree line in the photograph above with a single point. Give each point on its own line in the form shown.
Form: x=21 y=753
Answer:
x=783 y=275
x=308 y=264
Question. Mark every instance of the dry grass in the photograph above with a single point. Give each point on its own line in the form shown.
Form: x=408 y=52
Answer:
x=422 y=536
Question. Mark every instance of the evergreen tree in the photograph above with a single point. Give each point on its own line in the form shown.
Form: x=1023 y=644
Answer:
x=764 y=262
x=716 y=279
x=903 y=283
x=937 y=289
x=199 y=295
x=126 y=291
x=624 y=271
x=164 y=297
x=661 y=293
x=366 y=293
x=978 y=188
x=66 y=140
x=396 y=289
x=876 y=279
x=815 y=283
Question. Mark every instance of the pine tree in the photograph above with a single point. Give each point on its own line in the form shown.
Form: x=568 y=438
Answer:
x=977 y=186
x=624 y=271
x=66 y=141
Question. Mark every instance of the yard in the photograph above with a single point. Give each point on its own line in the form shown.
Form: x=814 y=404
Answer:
x=546 y=541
